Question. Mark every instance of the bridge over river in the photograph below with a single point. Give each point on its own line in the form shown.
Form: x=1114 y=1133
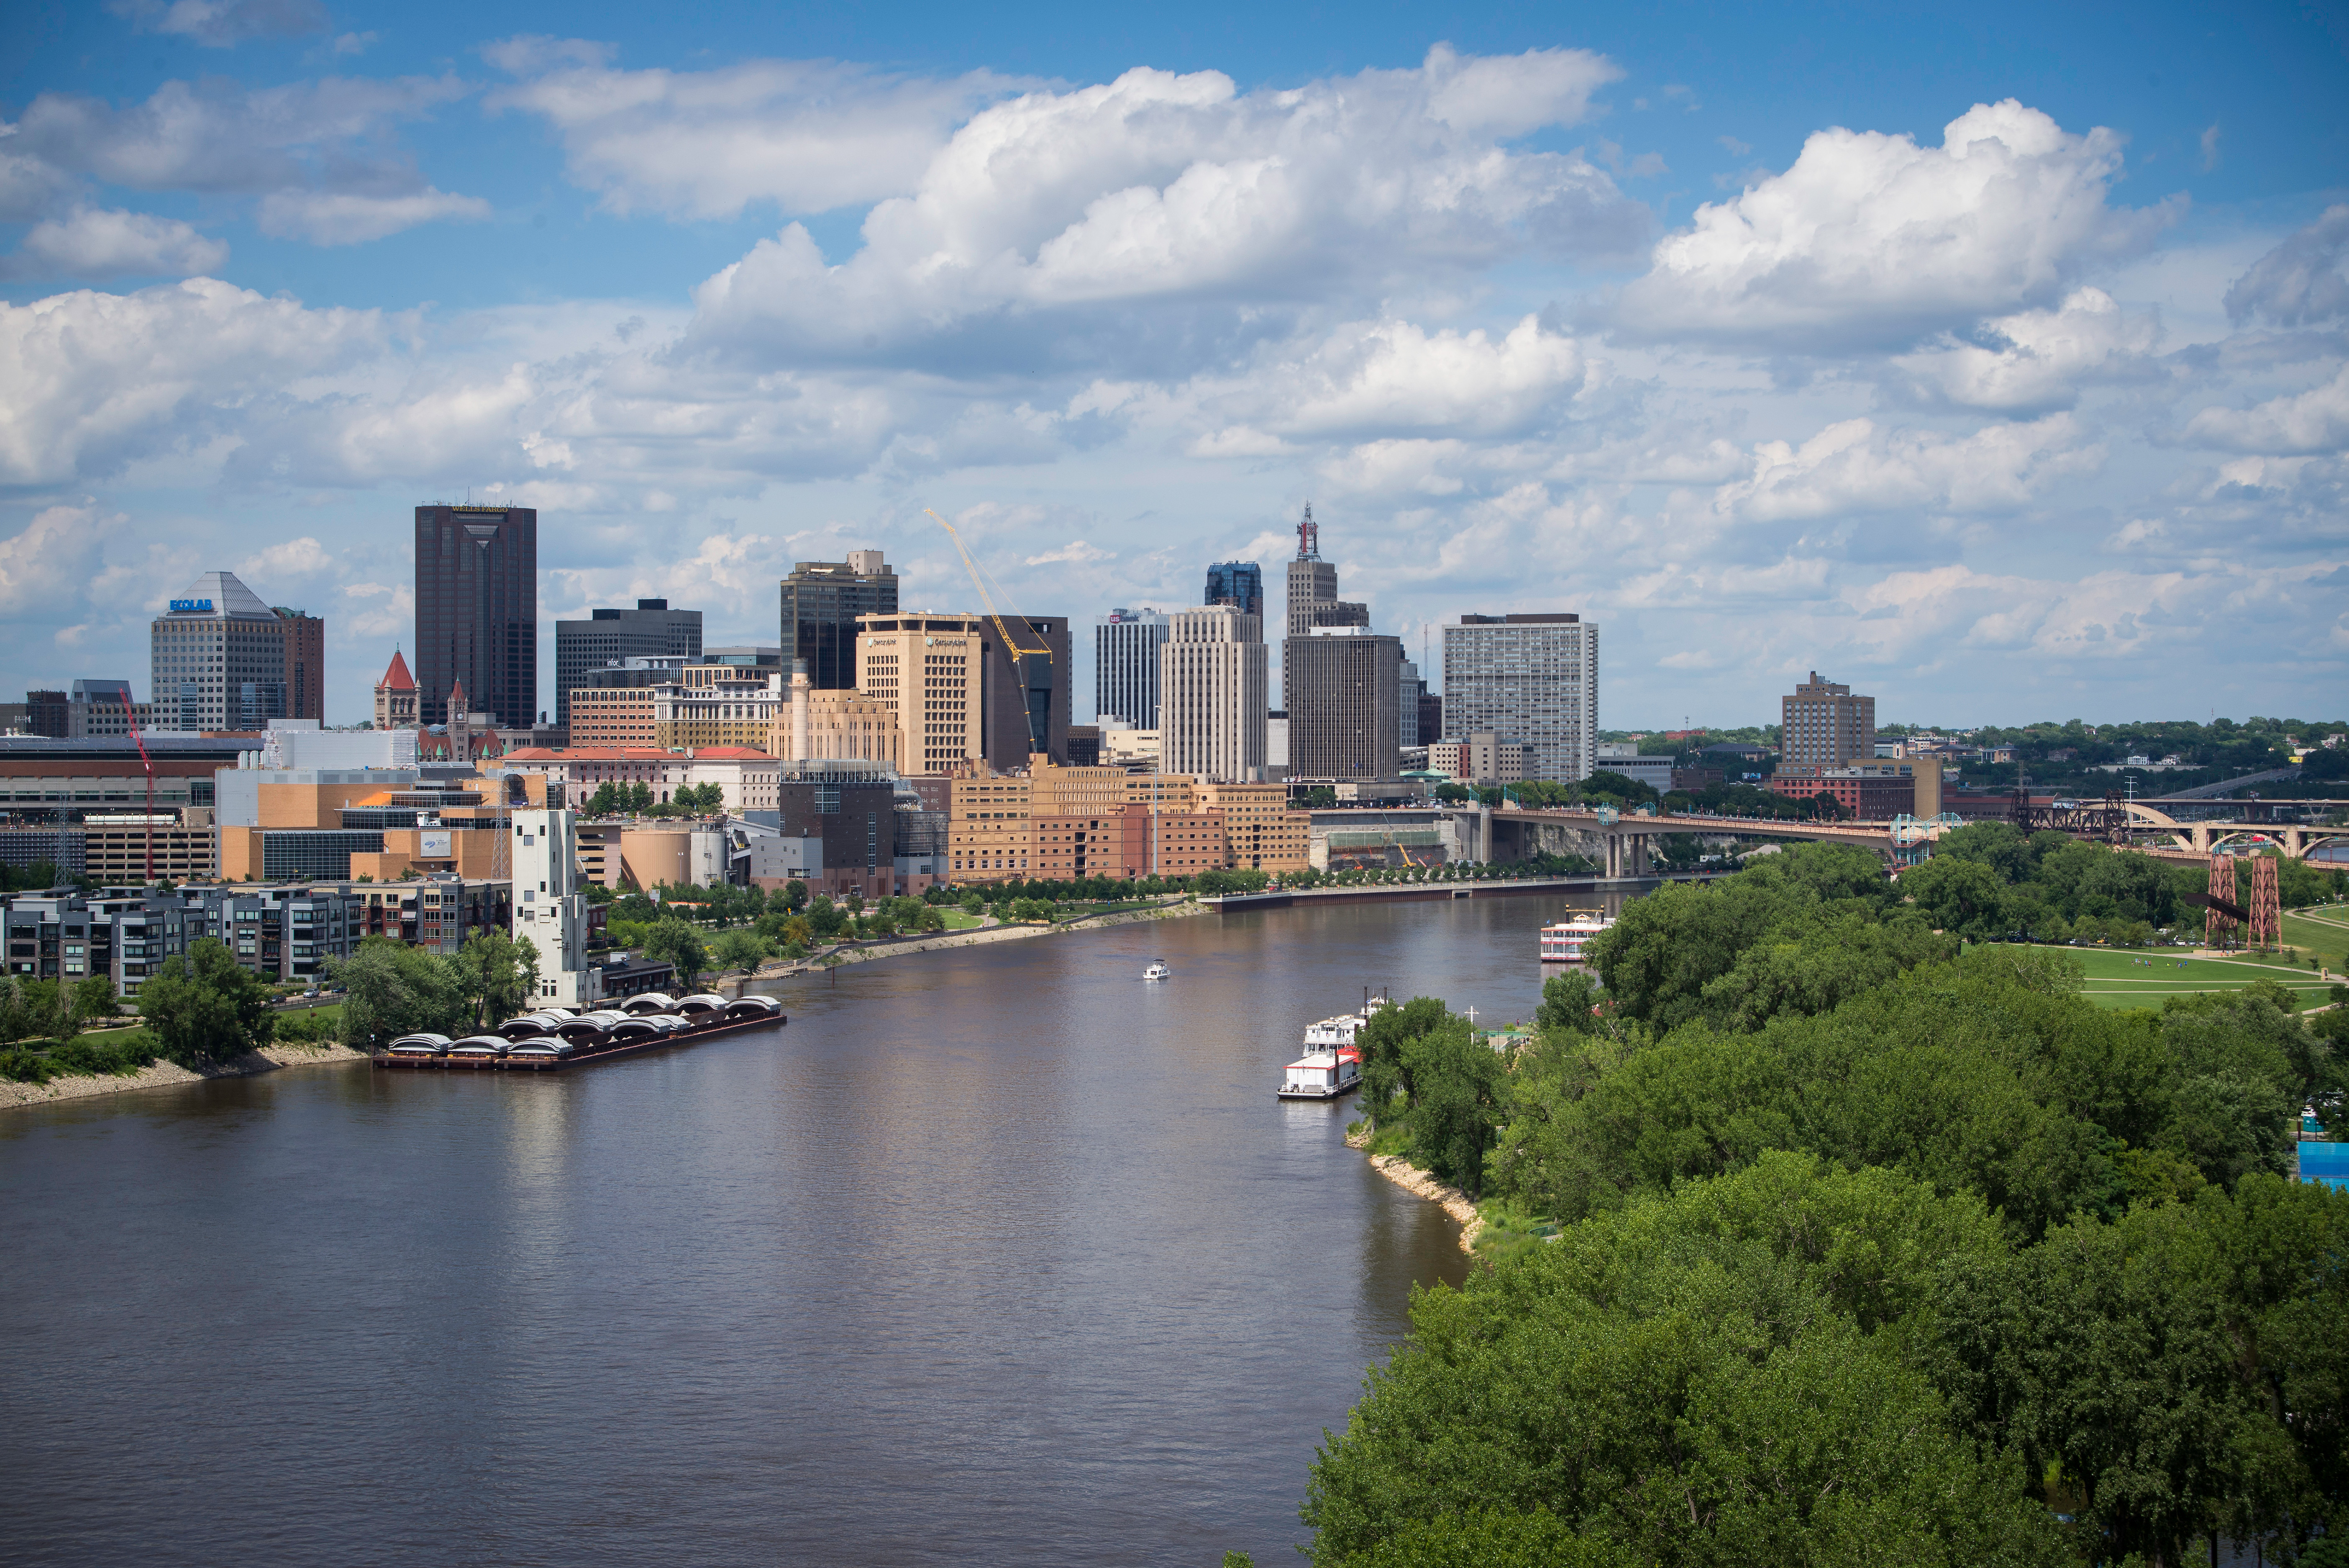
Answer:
x=1512 y=832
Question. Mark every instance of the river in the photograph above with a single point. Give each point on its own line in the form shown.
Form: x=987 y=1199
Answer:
x=993 y=1255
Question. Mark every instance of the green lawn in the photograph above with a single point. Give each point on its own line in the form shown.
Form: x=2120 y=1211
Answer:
x=959 y=921
x=2321 y=929
x=2119 y=978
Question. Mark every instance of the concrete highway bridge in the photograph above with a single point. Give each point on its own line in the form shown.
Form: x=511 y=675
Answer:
x=1512 y=833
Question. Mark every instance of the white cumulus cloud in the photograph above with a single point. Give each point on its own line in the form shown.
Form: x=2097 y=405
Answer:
x=2301 y=282
x=1183 y=194
x=2316 y=420
x=349 y=217
x=1856 y=466
x=806 y=135
x=2035 y=359
x=102 y=244
x=88 y=380
x=1872 y=240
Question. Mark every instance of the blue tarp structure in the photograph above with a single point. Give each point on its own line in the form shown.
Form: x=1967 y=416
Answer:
x=2325 y=1162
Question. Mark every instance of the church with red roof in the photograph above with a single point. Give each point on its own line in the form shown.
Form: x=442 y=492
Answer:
x=395 y=696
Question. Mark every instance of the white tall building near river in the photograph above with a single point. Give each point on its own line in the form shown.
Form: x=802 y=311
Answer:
x=548 y=908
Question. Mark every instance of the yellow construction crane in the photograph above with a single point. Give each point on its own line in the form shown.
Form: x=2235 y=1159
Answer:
x=1005 y=618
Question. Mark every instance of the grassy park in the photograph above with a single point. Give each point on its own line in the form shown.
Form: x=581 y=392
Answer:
x=2147 y=977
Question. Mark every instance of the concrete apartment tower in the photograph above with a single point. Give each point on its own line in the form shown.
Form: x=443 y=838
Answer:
x=1345 y=719
x=218 y=658
x=1211 y=695
x=1127 y=645
x=821 y=603
x=1530 y=678
x=548 y=908
x=1826 y=726
x=651 y=630
x=477 y=611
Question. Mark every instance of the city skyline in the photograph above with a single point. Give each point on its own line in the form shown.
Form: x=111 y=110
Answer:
x=1997 y=377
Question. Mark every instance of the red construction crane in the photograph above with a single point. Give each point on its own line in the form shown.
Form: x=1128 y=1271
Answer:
x=148 y=762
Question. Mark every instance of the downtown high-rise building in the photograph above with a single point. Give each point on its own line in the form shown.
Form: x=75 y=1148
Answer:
x=218 y=658
x=1345 y=719
x=651 y=630
x=1409 y=688
x=821 y=603
x=1312 y=597
x=1530 y=678
x=1826 y=726
x=959 y=696
x=477 y=611
x=305 y=664
x=1125 y=666
x=1211 y=695
x=1240 y=584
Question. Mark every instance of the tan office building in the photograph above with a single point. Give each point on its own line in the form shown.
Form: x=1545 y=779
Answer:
x=929 y=670
x=1260 y=832
x=1826 y=726
x=991 y=832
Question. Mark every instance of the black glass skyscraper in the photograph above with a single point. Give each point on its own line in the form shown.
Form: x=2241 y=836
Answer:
x=821 y=600
x=477 y=611
x=1240 y=584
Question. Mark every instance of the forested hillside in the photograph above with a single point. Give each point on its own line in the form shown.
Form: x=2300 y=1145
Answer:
x=1869 y=1246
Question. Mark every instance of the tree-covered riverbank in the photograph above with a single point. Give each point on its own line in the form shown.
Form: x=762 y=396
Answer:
x=1867 y=1246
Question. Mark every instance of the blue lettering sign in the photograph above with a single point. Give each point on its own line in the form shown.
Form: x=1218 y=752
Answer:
x=182 y=607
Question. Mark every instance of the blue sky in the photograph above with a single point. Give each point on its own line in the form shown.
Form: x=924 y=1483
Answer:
x=1703 y=322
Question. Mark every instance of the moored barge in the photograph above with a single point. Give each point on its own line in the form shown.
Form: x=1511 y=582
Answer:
x=551 y=1039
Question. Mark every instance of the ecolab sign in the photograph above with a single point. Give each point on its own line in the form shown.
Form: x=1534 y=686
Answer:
x=183 y=607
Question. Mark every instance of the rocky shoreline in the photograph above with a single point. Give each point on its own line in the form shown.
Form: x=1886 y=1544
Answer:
x=1419 y=1184
x=164 y=1075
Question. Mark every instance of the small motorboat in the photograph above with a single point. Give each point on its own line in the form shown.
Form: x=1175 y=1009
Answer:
x=1158 y=970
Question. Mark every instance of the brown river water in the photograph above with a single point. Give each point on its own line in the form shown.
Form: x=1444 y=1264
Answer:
x=993 y=1255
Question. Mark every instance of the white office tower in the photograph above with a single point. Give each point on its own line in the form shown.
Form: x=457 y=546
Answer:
x=548 y=908
x=1212 y=677
x=1530 y=678
x=218 y=658
x=1125 y=666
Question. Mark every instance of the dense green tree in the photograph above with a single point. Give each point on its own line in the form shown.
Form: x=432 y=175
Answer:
x=827 y=918
x=1964 y=897
x=740 y=950
x=1665 y=949
x=673 y=941
x=203 y=1006
x=795 y=896
x=1714 y=1378
x=394 y=990
x=92 y=996
x=498 y=976
x=2181 y=1370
